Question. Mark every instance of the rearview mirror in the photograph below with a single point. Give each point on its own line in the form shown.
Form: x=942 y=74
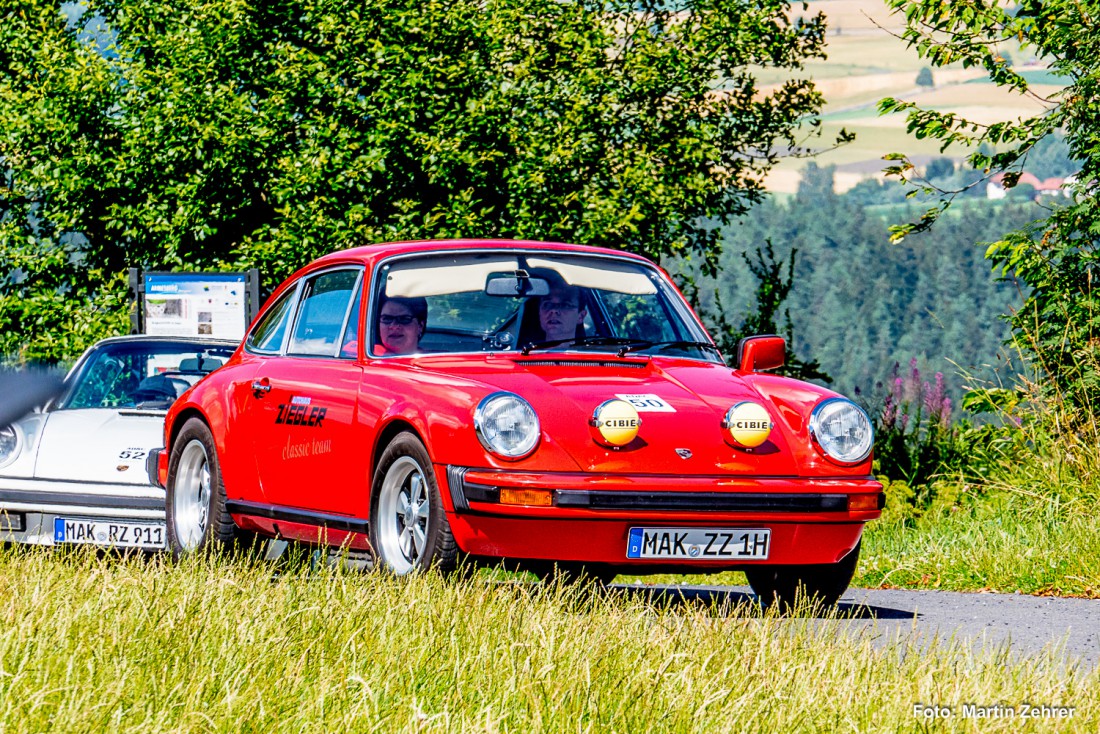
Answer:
x=517 y=283
x=765 y=352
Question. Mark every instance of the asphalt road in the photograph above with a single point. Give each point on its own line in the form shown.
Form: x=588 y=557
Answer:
x=1026 y=625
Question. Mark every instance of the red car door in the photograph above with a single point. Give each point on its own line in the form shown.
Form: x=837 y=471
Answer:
x=302 y=412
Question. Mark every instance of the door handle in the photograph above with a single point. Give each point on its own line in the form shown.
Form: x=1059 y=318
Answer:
x=261 y=387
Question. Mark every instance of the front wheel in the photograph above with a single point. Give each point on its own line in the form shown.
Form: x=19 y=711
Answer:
x=817 y=583
x=196 y=515
x=408 y=526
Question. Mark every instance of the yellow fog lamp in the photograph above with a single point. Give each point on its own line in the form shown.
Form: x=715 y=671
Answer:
x=614 y=423
x=747 y=424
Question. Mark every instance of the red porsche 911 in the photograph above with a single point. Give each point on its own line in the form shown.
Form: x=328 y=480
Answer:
x=552 y=407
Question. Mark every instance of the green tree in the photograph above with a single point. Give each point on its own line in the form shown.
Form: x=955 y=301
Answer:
x=924 y=78
x=1057 y=257
x=774 y=278
x=241 y=133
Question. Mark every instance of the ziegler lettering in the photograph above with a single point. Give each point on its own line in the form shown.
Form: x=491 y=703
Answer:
x=301 y=415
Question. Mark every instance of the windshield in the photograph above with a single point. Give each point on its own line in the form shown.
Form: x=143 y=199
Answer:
x=531 y=302
x=141 y=374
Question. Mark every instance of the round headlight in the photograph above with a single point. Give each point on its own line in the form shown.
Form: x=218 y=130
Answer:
x=507 y=426
x=9 y=444
x=842 y=430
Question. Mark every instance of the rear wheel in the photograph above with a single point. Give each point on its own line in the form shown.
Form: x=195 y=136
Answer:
x=819 y=584
x=196 y=516
x=408 y=526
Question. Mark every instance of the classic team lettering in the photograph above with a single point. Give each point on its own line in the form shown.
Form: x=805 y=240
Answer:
x=301 y=415
x=312 y=447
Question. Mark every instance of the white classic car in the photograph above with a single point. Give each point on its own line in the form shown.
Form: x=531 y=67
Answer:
x=75 y=471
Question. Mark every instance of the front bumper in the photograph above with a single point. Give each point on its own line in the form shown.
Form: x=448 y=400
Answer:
x=29 y=507
x=811 y=520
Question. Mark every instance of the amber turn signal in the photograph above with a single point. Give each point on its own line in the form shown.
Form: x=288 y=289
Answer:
x=530 y=497
x=864 y=502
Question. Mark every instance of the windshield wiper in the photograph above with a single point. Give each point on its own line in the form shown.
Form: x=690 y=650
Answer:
x=668 y=345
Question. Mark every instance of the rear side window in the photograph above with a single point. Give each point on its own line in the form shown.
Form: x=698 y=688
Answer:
x=349 y=348
x=268 y=335
x=326 y=301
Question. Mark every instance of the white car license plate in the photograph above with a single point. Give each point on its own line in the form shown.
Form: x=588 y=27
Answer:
x=108 y=532
x=700 y=544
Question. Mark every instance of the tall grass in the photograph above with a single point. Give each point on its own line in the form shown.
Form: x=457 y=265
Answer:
x=1016 y=512
x=95 y=643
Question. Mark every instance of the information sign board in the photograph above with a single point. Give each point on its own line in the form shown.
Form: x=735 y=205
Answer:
x=216 y=305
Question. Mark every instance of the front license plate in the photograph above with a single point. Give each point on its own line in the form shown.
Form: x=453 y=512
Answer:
x=108 y=532
x=700 y=544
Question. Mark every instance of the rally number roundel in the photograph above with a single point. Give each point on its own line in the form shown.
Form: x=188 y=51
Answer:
x=615 y=423
x=747 y=424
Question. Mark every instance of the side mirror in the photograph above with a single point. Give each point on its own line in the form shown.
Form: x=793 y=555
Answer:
x=766 y=352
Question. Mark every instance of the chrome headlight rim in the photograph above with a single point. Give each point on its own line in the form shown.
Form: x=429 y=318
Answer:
x=17 y=447
x=815 y=430
x=482 y=435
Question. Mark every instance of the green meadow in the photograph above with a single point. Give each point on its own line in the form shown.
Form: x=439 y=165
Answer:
x=95 y=642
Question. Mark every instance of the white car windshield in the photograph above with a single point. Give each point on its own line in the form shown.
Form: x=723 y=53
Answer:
x=140 y=374
x=537 y=301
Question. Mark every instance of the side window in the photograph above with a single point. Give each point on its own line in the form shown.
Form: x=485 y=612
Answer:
x=637 y=317
x=268 y=335
x=349 y=345
x=325 y=302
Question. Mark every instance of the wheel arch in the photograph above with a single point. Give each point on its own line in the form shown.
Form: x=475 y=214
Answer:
x=387 y=434
x=181 y=420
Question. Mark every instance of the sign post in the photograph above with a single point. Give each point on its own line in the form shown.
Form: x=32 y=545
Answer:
x=217 y=305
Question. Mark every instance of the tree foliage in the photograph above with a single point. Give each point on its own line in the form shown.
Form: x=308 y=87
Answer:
x=1056 y=257
x=774 y=278
x=858 y=307
x=214 y=134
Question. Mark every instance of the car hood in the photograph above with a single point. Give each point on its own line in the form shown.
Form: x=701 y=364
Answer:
x=683 y=404
x=97 y=445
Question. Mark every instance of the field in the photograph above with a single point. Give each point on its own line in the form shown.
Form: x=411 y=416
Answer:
x=100 y=643
x=866 y=62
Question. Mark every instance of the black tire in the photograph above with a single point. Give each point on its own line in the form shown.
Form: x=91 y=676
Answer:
x=408 y=527
x=819 y=584
x=571 y=572
x=195 y=504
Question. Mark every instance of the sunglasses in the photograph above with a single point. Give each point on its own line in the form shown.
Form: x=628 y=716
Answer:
x=387 y=320
x=558 y=306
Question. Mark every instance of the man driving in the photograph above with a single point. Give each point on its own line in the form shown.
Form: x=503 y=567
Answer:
x=561 y=312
